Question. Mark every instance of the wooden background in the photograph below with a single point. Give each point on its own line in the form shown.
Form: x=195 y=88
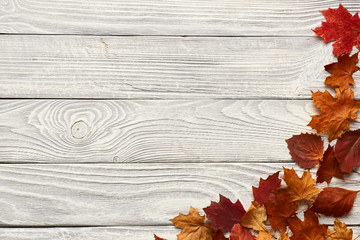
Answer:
x=117 y=115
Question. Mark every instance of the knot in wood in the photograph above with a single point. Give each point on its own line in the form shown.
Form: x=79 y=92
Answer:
x=79 y=129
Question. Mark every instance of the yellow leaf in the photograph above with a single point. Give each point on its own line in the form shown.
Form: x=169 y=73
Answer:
x=340 y=232
x=264 y=236
x=255 y=217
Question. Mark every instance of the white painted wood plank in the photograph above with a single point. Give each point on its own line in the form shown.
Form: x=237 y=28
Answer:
x=64 y=131
x=161 y=67
x=95 y=233
x=127 y=194
x=168 y=17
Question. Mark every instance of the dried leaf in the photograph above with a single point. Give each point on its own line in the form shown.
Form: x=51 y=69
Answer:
x=306 y=149
x=193 y=226
x=310 y=229
x=240 y=233
x=340 y=232
x=284 y=236
x=342 y=27
x=264 y=192
x=255 y=217
x=342 y=71
x=158 y=238
x=219 y=235
x=347 y=150
x=224 y=214
x=264 y=236
x=329 y=167
x=333 y=201
x=336 y=112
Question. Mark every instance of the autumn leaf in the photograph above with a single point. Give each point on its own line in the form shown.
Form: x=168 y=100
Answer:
x=306 y=149
x=299 y=189
x=329 y=167
x=193 y=226
x=334 y=201
x=280 y=212
x=224 y=214
x=264 y=236
x=309 y=229
x=336 y=112
x=284 y=236
x=264 y=192
x=347 y=151
x=340 y=232
x=342 y=71
x=219 y=235
x=341 y=27
x=158 y=238
x=255 y=217
x=240 y=233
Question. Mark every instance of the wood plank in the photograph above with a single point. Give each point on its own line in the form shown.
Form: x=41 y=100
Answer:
x=161 y=67
x=95 y=233
x=73 y=131
x=151 y=17
x=127 y=194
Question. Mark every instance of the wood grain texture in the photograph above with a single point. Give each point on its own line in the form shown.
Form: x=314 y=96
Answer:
x=73 y=131
x=186 y=17
x=162 y=67
x=96 y=233
x=127 y=194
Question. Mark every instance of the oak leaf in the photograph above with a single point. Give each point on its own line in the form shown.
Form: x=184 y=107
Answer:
x=341 y=27
x=347 y=150
x=342 y=71
x=340 y=232
x=264 y=236
x=240 y=233
x=334 y=201
x=309 y=229
x=280 y=212
x=336 y=112
x=224 y=214
x=255 y=217
x=219 y=235
x=306 y=149
x=158 y=238
x=264 y=192
x=193 y=226
x=297 y=188
x=329 y=167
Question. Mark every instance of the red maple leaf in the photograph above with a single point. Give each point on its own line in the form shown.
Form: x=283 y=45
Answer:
x=240 y=233
x=219 y=235
x=333 y=201
x=341 y=27
x=310 y=229
x=329 y=167
x=306 y=149
x=347 y=150
x=224 y=214
x=264 y=192
x=158 y=238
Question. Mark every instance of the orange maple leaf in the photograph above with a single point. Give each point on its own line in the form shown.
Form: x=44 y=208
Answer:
x=284 y=236
x=193 y=226
x=341 y=71
x=255 y=217
x=299 y=189
x=264 y=236
x=336 y=112
x=340 y=232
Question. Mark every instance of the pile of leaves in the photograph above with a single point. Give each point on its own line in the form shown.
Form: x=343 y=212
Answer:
x=282 y=204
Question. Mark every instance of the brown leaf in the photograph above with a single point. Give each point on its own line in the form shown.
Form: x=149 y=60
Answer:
x=329 y=167
x=255 y=217
x=264 y=236
x=299 y=189
x=264 y=192
x=340 y=232
x=306 y=149
x=219 y=235
x=310 y=229
x=284 y=236
x=193 y=226
x=336 y=112
x=342 y=71
x=224 y=214
x=333 y=201
x=347 y=150
x=240 y=233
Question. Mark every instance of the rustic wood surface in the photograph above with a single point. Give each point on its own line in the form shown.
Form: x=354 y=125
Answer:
x=117 y=115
